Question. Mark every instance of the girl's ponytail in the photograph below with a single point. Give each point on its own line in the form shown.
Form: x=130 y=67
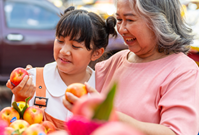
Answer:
x=110 y=25
x=69 y=9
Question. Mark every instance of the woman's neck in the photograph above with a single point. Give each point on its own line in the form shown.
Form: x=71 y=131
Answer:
x=133 y=58
x=81 y=77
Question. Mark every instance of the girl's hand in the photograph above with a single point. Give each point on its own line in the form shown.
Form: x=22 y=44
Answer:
x=72 y=98
x=24 y=89
x=28 y=67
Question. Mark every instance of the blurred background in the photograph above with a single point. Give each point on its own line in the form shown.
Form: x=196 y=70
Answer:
x=27 y=32
x=190 y=12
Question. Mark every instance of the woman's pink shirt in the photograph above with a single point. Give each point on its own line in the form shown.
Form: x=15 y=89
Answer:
x=163 y=91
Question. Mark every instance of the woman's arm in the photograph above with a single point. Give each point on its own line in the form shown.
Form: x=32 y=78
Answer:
x=145 y=128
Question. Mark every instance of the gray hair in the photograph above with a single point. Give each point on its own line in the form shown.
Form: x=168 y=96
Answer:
x=164 y=18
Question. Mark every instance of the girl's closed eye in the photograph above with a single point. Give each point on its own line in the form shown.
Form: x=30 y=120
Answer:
x=76 y=47
x=60 y=41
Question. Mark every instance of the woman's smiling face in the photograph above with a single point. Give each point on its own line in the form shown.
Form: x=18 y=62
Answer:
x=134 y=30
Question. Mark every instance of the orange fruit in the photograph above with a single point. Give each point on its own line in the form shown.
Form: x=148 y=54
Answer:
x=77 y=89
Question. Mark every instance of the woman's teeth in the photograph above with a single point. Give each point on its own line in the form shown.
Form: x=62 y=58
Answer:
x=130 y=39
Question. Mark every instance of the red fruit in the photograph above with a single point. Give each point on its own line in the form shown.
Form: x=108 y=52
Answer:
x=9 y=131
x=35 y=129
x=33 y=115
x=49 y=127
x=20 y=125
x=76 y=89
x=9 y=114
x=17 y=76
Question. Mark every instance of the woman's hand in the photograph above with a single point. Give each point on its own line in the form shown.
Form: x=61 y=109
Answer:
x=24 y=89
x=90 y=89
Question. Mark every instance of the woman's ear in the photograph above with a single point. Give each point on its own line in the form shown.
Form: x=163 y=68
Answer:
x=97 y=54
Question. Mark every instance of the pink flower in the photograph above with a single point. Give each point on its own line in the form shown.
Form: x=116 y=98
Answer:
x=86 y=105
x=82 y=123
x=3 y=125
x=95 y=115
x=79 y=125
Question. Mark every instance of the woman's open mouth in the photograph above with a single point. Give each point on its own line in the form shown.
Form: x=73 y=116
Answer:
x=129 y=40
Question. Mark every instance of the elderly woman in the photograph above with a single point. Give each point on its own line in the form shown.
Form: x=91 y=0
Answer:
x=158 y=82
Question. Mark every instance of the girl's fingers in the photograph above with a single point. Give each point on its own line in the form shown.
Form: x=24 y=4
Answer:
x=67 y=104
x=29 y=88
x=9 y=85
x=29 y=82
x=20 y=86
x=72 y=98
x=28 y=67
x=23 y=82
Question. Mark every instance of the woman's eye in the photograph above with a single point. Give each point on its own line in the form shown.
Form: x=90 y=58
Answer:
x=129 y=20
x=119 y=20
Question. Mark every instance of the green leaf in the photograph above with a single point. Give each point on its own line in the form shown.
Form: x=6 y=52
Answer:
x=103 y=110
x=15 y=106
x=26 y=106
x=16 y=132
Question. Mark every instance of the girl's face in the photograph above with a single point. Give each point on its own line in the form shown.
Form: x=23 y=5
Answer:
x=71 y=57
x=134 y=30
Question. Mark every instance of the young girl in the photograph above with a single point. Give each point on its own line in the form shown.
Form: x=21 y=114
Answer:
x=81 y=37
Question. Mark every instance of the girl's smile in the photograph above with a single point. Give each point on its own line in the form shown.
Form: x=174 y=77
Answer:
x=65 y=61
x=71 y=57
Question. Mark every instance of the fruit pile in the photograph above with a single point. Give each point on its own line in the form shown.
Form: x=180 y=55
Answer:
x=22 y=119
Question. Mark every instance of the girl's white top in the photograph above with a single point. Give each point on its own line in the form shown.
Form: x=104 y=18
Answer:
x=55 y=90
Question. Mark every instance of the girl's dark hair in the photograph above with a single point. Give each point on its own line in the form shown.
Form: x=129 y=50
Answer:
x=82 y=25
